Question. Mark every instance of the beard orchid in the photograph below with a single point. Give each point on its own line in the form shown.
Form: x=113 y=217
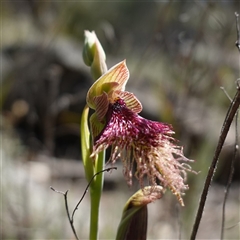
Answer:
x=147 y=145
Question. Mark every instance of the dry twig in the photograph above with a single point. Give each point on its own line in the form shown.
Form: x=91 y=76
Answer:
x=236 y=147
x=71 y=218
x=225 y=128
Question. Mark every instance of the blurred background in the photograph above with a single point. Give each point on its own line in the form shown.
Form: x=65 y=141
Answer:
x=179 y=55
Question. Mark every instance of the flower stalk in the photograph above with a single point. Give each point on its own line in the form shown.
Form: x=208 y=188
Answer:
x=93 y=56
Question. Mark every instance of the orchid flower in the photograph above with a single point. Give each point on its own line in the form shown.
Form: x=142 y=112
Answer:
x=147 y=144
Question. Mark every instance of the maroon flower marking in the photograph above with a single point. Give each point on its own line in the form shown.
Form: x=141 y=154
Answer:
x=147 y=143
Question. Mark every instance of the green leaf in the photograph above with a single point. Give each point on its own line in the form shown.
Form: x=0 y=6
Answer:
x=85 y=144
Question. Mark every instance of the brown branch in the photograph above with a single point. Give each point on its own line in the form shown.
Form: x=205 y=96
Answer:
x=71 y=218
x=225 y=128
x=236 y=147
x=233 y=109
x=230 y=177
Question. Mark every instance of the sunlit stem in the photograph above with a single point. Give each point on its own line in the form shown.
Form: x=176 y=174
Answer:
x=95 y=193
x=94 y=56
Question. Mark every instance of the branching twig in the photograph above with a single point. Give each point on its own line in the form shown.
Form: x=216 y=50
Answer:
x=225 y=128
x=226 y=125
x=67 y=210
x=226 y=93
x=236 y=148
x=71 y=218
x=104 y=170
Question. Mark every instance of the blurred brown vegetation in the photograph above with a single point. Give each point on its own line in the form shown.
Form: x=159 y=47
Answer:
x=179 y=55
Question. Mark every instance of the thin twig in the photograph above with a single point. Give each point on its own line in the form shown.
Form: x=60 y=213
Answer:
x=238 y=31
x=230 y=177
x=236 y=148
x=238 y=223
x=226 y=93
x=71 y=218
x=60 y=192
x=225 y=128
x=104 y=170
x=67 y=210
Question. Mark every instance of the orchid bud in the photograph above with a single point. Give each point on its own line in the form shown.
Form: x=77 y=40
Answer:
x=133 y=224
x=94 y=55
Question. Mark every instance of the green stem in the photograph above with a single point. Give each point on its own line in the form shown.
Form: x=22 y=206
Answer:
x=94 y=56
x=95 y=194
x=91 y=167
